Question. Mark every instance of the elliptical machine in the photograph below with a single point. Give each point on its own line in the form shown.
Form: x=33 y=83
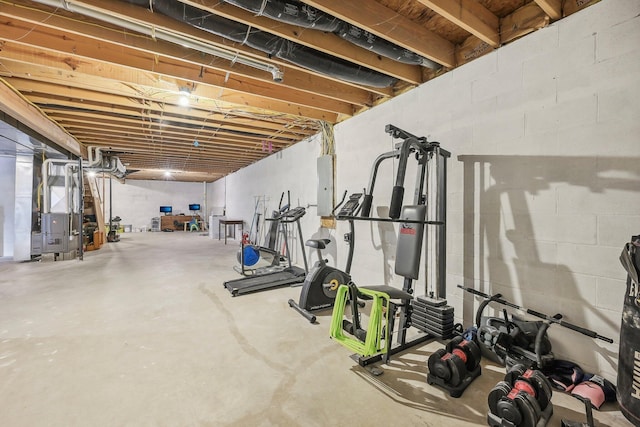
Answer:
x=255 y=260
x=321 y=284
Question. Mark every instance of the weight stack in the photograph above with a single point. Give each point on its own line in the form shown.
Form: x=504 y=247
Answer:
x=433 y=316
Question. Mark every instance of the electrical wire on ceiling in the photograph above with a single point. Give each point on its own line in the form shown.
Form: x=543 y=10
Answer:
x=327 y=138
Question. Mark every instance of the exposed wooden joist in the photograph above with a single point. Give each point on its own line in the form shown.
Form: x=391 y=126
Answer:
x=156 y=20
x=524 y=20
x=263 y=96
x=387 y=24
x=56 y=28
x=145 y=112
x=553 y=8
x=203 y=97
x=20 y=109
x=470 y=15
x=220 y=143
x=318 y=40
x=96 y=121
x=183 y=125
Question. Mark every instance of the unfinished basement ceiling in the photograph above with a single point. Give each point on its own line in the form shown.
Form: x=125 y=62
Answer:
x=258 y=75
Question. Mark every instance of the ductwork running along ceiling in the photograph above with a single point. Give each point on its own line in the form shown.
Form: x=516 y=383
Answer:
x=203 y=88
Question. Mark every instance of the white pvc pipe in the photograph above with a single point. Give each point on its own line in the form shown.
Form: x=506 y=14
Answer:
x=165 y=35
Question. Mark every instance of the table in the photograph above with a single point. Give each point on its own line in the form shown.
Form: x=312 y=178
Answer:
x=227 y=222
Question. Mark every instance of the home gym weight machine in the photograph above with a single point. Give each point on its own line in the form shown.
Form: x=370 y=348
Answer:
x=321 y=284
x=422 y=222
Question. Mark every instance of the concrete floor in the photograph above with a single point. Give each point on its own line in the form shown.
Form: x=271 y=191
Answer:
x=142 y=333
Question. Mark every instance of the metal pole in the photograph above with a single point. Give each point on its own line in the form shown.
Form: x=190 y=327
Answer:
x=81 y=210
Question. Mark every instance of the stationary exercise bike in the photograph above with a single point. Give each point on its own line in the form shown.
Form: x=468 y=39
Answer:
x=321 y=284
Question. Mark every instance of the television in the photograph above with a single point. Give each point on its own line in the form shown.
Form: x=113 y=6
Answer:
x=194 y=207
x=166 y=209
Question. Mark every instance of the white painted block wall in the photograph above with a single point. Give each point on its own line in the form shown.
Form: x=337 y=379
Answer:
x=137 y=201
x=543 y=184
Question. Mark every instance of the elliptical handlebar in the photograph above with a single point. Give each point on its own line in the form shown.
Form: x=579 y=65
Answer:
x=293 y=215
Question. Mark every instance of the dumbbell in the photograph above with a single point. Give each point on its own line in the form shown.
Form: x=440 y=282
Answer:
x=452 y=363
x=521 y=397
x=488 y=335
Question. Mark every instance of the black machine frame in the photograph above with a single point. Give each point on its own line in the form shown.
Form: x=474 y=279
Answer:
x=430 y=189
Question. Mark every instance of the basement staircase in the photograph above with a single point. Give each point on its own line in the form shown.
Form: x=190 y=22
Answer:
x=94 y=226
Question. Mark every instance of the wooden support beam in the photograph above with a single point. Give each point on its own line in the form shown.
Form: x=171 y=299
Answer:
x=18 y=107
x=322 y=42
x=56 y=29
x=553 y=8
x=470 y=15
x=387 y=24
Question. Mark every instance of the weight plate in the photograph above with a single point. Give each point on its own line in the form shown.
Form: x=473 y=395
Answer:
x=529 y=409
x=435 y=317
x=454 y=343
x=475 y=355
x=514 y=373
x=542 y=386
x=435 y=357
x=509 y=410
x=458 y=370
x=434 y=302
x=498 y=392
x=439 y=365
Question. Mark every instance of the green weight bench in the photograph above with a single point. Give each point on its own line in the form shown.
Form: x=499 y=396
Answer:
x=376 y=338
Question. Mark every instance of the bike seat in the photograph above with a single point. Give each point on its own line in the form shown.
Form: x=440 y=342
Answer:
x=318 y=243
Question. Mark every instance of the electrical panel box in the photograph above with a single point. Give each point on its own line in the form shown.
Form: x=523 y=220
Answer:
x=325 y=185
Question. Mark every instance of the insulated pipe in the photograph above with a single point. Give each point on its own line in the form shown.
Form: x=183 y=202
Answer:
x=95 y=157
x=298 y=13
x=270 y=44
x=162 y=34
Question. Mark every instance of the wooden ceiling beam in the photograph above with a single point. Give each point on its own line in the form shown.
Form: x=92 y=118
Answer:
x=389 y=25
x=214 y=143
x=129 y=145
x=553 y=8
x=323 y=42
x=126 y=153
x=265 y=96
x=153 y=111
x=183 y=126
x=220 y=141
x=470 y=15
x=78 y=80
x=17 y=107
x=523 y=20
x=295 y=78
x=96 y=122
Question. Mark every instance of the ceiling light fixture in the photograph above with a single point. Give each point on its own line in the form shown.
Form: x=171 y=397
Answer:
x=185 y=94
x=166 y=35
